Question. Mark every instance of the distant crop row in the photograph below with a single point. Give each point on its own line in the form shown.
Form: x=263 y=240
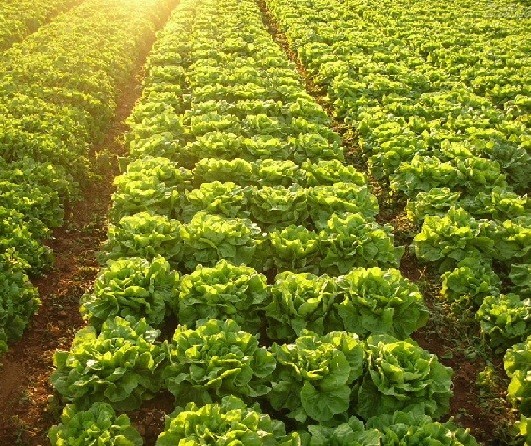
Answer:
x=19 y=18
x=58 y=91
x=234 y=172
x=439 y=97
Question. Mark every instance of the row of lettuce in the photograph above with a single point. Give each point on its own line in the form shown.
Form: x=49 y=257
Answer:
x=237 y=218
x=57 y=94
x=439 y=97
x=19 y=18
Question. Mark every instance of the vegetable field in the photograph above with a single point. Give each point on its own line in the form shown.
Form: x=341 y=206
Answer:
x=319 y=231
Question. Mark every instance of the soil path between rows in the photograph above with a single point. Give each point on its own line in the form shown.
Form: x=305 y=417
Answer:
x=28 y=406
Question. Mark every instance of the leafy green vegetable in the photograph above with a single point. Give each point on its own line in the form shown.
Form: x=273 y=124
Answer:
x=452 y=238
x=402 y=376
x=353 y=241
x=373 y=301
x=504 y=319
x=224 y=199
x=517 y=363
x=315 y=375
x=210 y=238
x=132 y=287
x=294 y=248
x=224 y=291
x=301 y=301
x=97 y=425
x=145 y=235
x=214 y=360
x=119 y=366
x=417 y=429
x=341 y=199
x=469 y=283
x=18 y=298
x=227 y=423
x=351 y=433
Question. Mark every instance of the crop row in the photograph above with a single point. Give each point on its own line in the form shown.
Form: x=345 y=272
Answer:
x=232 y=159
x=57 y=93
x=458 y=159
x=19 y=18
x=482 y=44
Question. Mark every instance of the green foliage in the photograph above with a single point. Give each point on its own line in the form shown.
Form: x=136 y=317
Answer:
x=293 y=248
x=353 y=241
x=450 y=239
x=214 y=360
x=225 y=291
x=417 y=429
x=351 y=433
x=517 y=363
x=18 y=298
x=373 y=301
x=15 y=234
x=301 y=301
x=520 y=276
x=132 y=287
x=120 y=366
x=97 y=425
x=145 y=235
x=229 y=422
x=210 y=238
x=341 y=199
x=402 y=376
x=504 y=319
x=315 y=375
x=469 y=283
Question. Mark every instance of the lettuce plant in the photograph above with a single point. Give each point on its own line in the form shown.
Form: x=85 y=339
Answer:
x=119 y=366
x=315 y=375
x=98 y=425
x=332 y=172
x=15 y=234
x=504 y=319
x=208 y=170
x=230 y=422
x=373 y=301
x=224 y=199
x=135 y=287
x=301 y=301
x=210 y=238
x=469 y=283
x=417 y=429
x=520 y=276
x=214 y=360
x=350 y=433
x=402 y=376
x=278 y=207
x=341 y=199
x=145 y=235
x=294 y=248
x=452 y=238
x=18 y=298
x=225 y=291
x=352 y=241
x=517 y=363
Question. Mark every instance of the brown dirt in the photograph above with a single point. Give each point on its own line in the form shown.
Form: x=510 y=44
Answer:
x=28 y=406
x=452 y=337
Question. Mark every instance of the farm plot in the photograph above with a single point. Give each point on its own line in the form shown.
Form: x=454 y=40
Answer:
x=58 y=91
x=237 y=217
x=455 y=146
